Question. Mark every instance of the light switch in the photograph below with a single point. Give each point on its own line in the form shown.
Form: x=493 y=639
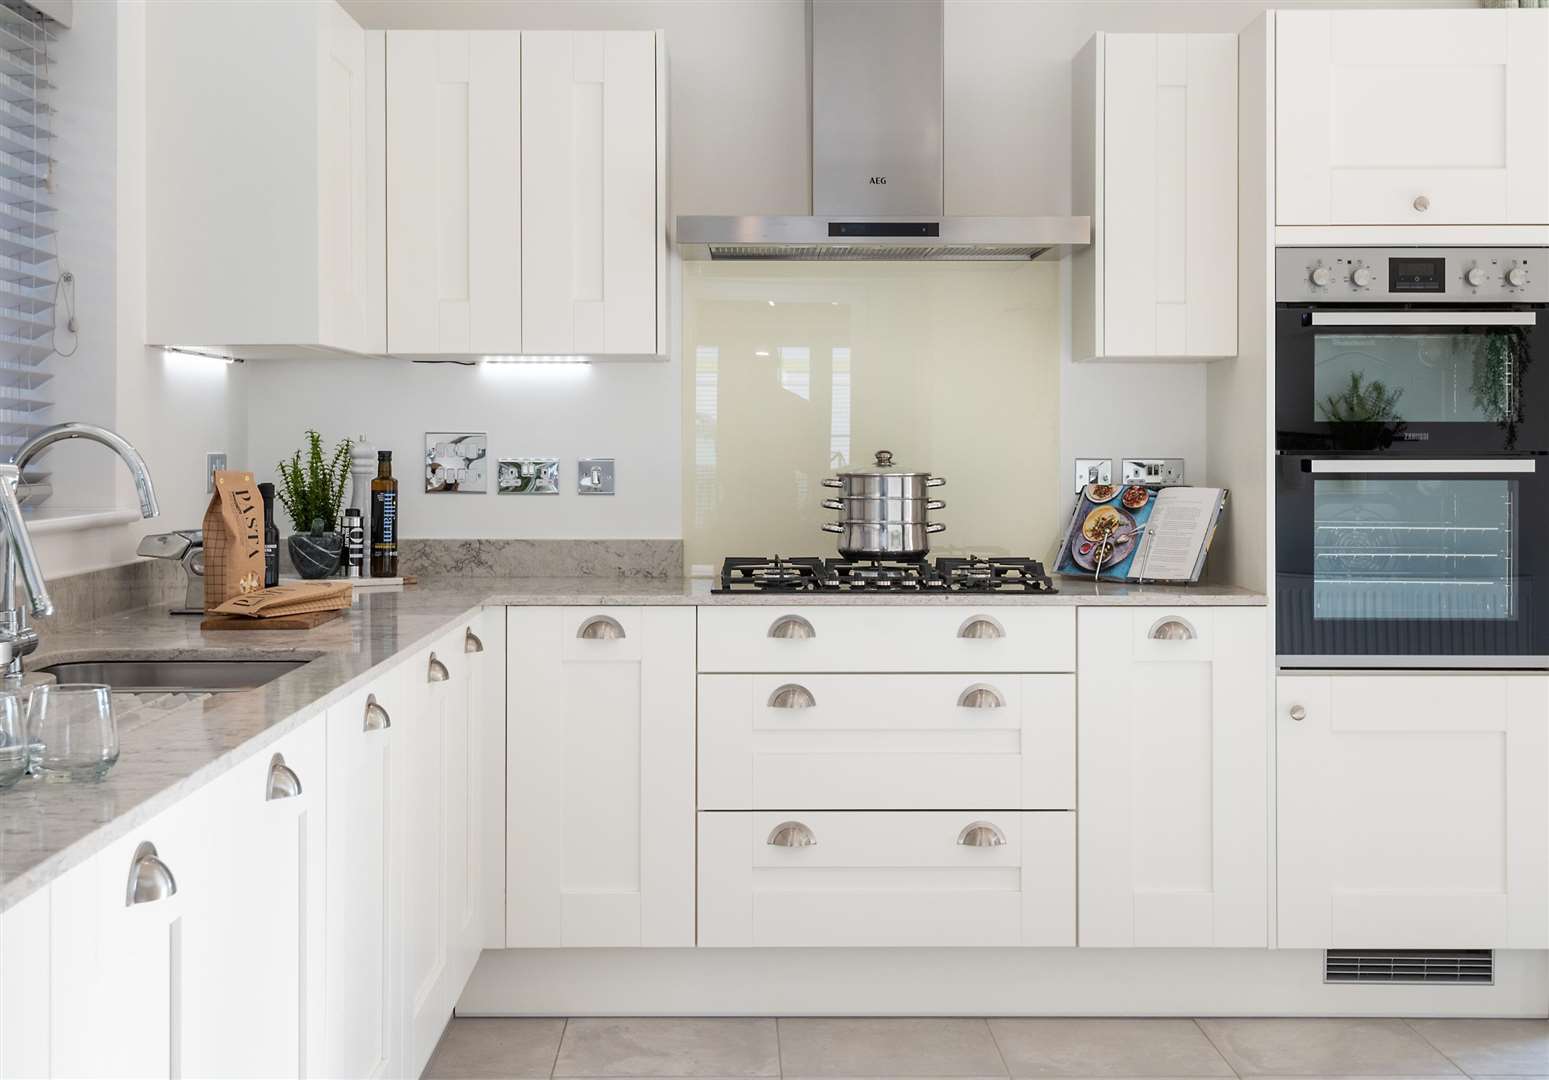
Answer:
x=213 y=461
x=594 y=476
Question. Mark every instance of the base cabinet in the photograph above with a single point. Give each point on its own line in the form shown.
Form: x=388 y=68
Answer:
x=1413 y=811
x=600 y=777
x=968 y=877
x=1173 y=778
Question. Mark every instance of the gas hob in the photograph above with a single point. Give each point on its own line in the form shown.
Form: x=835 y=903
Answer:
x=778 y=574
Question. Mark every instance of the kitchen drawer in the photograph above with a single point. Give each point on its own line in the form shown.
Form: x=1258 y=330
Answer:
x=882 y=638
x=887 y=878
x=887 y=742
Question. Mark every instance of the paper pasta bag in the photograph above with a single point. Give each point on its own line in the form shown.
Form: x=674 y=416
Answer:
x=233 y=539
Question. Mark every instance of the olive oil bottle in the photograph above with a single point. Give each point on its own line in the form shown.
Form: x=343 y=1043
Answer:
x=384 y=518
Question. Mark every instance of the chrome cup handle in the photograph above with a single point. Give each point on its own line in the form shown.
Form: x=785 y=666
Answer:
x=376 y=716
x=791 y=834
x=437 y=671
x=283 y=781
x=793 y=627
x=601 y=628
x=150 y=879
x=981 y=697
x=472 y=643
x=1172 y=629
x=980 y=627
x=981 y=834
x=792 y=696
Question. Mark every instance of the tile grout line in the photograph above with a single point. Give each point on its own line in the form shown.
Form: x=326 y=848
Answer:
x=1004 y=1064
x=558 y=1046
x=1421 y=1036
x=1214 y=1046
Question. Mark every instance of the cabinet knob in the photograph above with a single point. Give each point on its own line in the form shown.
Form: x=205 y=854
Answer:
x=792 y=696
x=981 y=834
x=438 y=671
x=1422 y=203
x=792 y=627
x=472 y=642
x=283 y=781
x=601 y=628
x=1298 y=713
x=981 y=697
x=376 y=716
x=791 y=834
x=980 y=627
x=150 y=879
x=1172 y=628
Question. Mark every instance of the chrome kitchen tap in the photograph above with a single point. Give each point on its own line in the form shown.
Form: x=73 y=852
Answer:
x=17 y=639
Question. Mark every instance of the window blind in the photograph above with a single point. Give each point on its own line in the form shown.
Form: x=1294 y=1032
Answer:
x=29 y=274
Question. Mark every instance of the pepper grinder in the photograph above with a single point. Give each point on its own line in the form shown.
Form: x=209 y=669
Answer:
x=362 y=472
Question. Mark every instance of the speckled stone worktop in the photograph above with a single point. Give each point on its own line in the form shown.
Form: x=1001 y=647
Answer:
x=47 y=828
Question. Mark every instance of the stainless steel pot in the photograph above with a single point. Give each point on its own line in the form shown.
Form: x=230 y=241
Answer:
x=883 y=481
x=883 y=540
x=883 y=511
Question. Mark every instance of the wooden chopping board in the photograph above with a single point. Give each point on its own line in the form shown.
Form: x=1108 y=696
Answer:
x=305 y=621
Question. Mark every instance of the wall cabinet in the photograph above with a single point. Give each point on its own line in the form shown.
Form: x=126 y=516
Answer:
x=1413 y=811
x=264 y=202
x=1154 y=164
x=1173 y=780
x=526 y=193
x=1411 y=118
x=600 y=776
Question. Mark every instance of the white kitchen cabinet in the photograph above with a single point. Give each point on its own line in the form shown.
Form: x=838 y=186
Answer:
x=1173 y=779
x=485 y=644
x=24 y=988
x=887 y=742
x=1154 y=164
x=600 y=776
x=264 y=201
x=454 y=192
x=116 y=956
x=1413 y=811
x=252 y=938
x=593 y=193
x=365 y=869
x=929 y=878
x=1411 y=117
x=887 y=638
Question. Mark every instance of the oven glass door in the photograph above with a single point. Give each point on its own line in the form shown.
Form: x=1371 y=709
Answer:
x=1411 y=561
x=1353 y=381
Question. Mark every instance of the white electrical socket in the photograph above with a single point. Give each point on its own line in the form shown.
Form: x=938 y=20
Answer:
x=1153 y=471
x=1093 y=471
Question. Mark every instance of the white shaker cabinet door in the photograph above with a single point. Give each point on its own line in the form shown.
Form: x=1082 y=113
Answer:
x=1412 y=117
x=600 y=776
x=25 y=1000
x=486 y=639
x=1413 y=811
x=363 y=994
x=454 y=192
x=591 y=248
x=1173 y=743
x=1165 y=203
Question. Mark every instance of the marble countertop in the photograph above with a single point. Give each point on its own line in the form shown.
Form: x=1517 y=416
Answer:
x=47 y=828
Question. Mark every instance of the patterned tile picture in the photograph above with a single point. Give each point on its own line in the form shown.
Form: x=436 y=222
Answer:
x=456 y=462
x=527 y=476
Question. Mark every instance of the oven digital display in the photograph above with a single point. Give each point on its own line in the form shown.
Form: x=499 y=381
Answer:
x=1410 y=274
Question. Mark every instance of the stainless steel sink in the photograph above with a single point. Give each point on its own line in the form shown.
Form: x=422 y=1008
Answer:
x=211 y=676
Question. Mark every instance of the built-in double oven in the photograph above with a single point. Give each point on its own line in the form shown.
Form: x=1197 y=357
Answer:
x=1412 y=486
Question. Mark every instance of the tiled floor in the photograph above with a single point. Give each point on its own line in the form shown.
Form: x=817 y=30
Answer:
x=484 y=1049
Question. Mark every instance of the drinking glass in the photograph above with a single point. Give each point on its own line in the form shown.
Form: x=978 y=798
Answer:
x=73 y=731
x=14 y=743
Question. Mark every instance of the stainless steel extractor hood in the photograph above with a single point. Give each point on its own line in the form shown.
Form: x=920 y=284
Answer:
x=877 y=157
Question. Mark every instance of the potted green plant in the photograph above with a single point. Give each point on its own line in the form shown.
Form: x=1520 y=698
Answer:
x=311 y=489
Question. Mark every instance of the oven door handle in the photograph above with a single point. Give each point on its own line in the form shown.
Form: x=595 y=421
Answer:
x=1424 y=318
x=1432 y=466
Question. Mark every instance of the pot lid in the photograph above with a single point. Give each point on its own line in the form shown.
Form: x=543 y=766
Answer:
x=884 y=467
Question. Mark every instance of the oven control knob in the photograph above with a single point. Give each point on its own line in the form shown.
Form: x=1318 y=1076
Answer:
x=1321 y=276
x=1517 y=276
x=1476 y=276
x=1361 y=277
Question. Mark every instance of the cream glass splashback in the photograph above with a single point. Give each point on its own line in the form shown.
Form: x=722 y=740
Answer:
x=794 y=370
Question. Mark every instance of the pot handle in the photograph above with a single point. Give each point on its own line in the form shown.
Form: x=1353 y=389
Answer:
x=936 y=526
x=832 y=504
x=935 y=481
x=831 y=526
x=832 y=482
x=935 y=504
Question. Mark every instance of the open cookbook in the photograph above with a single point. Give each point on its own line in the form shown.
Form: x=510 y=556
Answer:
x=1140 y=533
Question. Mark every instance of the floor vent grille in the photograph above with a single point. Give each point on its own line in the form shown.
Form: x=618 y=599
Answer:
x=1473 y=967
